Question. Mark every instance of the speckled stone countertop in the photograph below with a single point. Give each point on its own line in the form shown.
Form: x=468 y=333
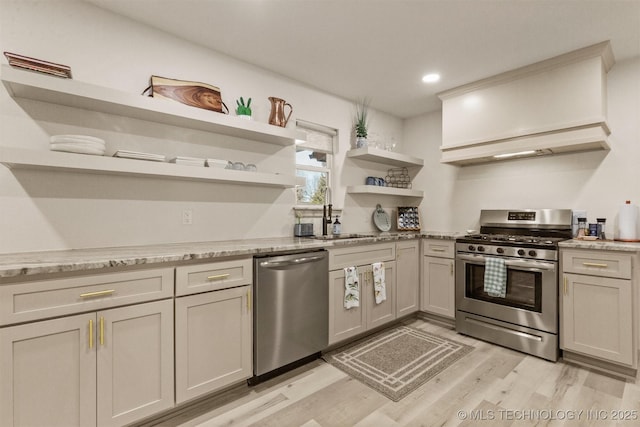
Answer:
x=602 y=245
x=46 y=262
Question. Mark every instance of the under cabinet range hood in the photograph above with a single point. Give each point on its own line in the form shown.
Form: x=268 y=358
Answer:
x=555 y=106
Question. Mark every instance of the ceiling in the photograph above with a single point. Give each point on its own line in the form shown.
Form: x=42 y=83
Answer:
x=380 y=49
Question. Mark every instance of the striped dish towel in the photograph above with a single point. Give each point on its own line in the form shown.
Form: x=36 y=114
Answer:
x=495 y=277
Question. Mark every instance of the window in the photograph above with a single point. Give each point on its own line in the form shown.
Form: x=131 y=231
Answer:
x=313 y=162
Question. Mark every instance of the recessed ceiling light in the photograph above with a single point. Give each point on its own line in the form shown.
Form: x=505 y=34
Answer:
x=431 y=78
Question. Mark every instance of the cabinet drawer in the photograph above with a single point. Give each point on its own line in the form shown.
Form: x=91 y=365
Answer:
x=40 y=299
x=361 y=254
x=439 y=248
x=597 y=263
x=213 y=276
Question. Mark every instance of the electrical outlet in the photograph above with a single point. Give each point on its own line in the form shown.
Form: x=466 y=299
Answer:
x=187 y=217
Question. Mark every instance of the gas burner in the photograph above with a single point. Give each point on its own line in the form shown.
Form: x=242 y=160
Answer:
x=513 y=239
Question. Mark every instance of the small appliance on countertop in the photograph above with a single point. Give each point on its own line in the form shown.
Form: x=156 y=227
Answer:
x=304 y=229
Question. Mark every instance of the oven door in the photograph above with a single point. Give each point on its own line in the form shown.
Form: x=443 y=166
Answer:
x=531 y=295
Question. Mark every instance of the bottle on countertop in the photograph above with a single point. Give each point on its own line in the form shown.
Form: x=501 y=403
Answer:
x=337 y=226
x=582 y=227
x=601 y=224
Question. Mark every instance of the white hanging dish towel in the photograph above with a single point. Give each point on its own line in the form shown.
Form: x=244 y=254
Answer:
x=351 y=288
x=495 y=277
x=379 y=286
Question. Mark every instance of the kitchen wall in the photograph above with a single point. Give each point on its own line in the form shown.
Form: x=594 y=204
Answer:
x=55 y=210
x=51 y=210
x=598 y=182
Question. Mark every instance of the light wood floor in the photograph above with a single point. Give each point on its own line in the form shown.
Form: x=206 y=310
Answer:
x=490 y=386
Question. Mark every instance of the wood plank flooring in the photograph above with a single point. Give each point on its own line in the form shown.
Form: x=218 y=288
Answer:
x=490 y=386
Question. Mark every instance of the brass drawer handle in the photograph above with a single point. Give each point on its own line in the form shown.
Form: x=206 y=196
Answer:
x=218 y=276
x=97 y=293
x=101 y=330
x=438 y=250
x=90 y=333
x=594 y=264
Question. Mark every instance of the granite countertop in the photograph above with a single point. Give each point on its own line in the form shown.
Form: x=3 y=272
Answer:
x=602 y=245
x=45 y=262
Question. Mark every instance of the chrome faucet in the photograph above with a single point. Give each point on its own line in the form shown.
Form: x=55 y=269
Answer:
x=326 y=211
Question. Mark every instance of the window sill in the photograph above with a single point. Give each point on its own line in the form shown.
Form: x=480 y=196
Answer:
x=314 y=211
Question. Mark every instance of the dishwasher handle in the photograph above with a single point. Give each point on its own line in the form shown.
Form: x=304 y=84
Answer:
x=295 y=261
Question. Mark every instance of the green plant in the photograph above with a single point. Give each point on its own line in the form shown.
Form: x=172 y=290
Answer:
x=243 y=110
x=361 y=119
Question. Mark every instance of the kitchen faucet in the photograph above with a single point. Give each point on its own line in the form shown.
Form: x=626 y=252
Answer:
x=326 y=210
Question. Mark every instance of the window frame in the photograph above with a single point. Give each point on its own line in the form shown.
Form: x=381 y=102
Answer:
x=326 y=147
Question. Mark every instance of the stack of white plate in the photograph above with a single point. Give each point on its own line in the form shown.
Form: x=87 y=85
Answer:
x=82 y=144
x=127 y=154
x=217 y=163
x=189 y=161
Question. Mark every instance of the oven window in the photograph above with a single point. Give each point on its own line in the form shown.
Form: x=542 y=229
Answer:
x=524 y=288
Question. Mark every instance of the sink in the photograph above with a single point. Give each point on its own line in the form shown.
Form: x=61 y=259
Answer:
x=342 y=236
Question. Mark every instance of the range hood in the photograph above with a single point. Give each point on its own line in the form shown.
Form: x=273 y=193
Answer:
x=554 y=106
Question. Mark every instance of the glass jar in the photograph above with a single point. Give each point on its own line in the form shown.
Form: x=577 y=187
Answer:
x=601 y=223
x=582 y=227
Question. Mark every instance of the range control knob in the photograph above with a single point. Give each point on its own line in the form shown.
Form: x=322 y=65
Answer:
x=472 y=248
x=500 y=250
x=533 y=253
x=521 y=252
x=480 y=248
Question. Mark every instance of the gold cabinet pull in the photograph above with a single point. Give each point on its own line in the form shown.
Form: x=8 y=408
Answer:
x=248 y=301
x=595 y=264
x=218 y=276
x=437 y=250
x=101 y=330
x=90 y=333
x=97 y=293
x=451 y=268
x=565 y=285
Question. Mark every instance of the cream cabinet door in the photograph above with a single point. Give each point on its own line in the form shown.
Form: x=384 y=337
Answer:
x=213 y=341
x=407 y=277
x=135 y=362
x=438 y=286
x=597 y=317
x=385 y=312
x=48 y=373
x=344 y=323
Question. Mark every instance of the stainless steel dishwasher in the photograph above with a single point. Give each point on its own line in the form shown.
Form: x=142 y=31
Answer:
x=291 y=310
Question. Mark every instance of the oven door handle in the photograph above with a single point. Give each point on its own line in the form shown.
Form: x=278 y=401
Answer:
x=527 y=265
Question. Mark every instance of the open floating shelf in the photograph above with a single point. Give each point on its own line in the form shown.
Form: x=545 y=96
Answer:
x=73 y=93
x=385 y=157
x=386 y=191
x=16 y=158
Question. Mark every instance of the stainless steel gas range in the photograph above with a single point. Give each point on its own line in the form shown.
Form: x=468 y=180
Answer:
x=523 y=246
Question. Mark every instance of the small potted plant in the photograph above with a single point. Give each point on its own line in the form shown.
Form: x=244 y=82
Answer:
x=243 y=110
x=361 y=123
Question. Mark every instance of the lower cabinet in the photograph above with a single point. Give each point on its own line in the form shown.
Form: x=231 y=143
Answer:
x=438 y=278
x=346 y=323
x=597 y=317
x=598 y=308
x=407 y=277
x=213 y=341
x=104 y=368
